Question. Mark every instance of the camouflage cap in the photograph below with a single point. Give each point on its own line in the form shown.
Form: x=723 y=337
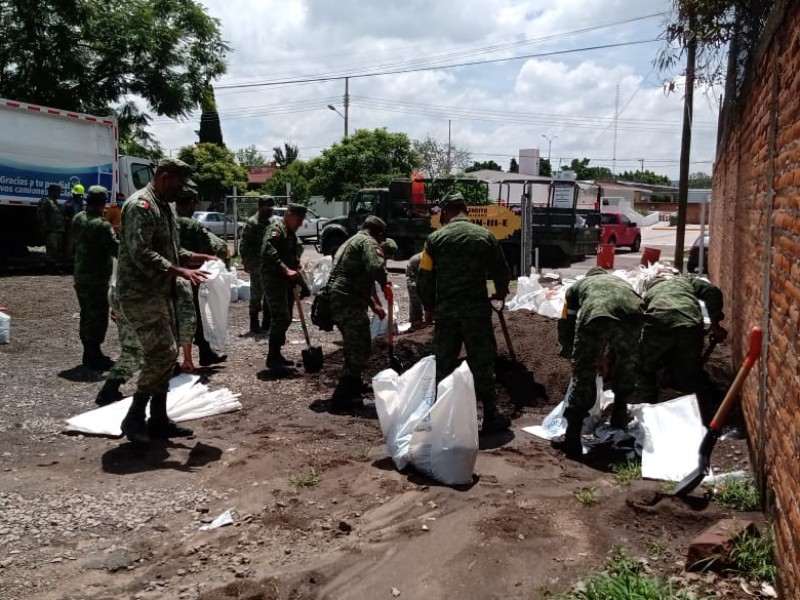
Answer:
x=97 y=191
x=266 y=200
x=176 y=166
x=374 y=223
x=596 y=271
x=296 y=209
x=389 y=247
x=452 y=197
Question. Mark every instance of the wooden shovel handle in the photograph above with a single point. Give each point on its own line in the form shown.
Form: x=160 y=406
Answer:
x=753 y=353
x=299 y=304
x=389 y=293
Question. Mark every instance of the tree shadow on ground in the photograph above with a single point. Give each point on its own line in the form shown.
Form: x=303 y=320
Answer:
x=129 y=458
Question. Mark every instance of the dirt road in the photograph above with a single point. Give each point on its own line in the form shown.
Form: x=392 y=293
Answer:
x=319 y=509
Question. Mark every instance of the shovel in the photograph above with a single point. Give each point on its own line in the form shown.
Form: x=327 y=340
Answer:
x=694 y=479
x=520 y=384
x=394 y=362
x=312 y=355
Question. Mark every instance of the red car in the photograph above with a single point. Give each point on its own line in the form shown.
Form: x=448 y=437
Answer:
x=619 y=230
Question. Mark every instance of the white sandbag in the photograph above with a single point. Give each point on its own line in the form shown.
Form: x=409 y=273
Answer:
x=380 y=327
x=528 y=296
x=444 y=444
x=438 y=439
x=5 y=328
x=214 y=297
x=673 y=431
x=187 y=399
x=401 y=401
x=243 y=288
x=555 y=424
x=320 y=274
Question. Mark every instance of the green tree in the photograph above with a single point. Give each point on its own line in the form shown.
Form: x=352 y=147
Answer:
x=300 y=174
x=700 y=181
x=437 y=159
x=210 y=126
x=361 y=160
x=513 y=166
x=584 y=171
x=215 y=170
x=486 y=165
x=250 y=157
x=545 y=168
x=285 y=156
x=87 y=55
x=134 y=138
x=645 y=176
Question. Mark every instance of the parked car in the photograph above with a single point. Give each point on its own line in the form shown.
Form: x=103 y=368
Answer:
x=218 y=224
x=308 y=229
x=693 y=264
x=619 y=230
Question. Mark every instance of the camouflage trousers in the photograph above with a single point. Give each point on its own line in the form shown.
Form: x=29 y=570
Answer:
x=93 y=301
x=185 y=314
x=415 y=310
x=130 y=359
x=257 y=300
x=153 y=320
x=54 y=247
x=477 y=336
x=592 y=339
x=352 y=322
x=280 y=298
x=679 y=351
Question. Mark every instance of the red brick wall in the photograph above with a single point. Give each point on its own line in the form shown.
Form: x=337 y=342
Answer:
x=755 y=257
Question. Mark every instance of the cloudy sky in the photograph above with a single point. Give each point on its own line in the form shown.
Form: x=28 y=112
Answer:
x=495 y=108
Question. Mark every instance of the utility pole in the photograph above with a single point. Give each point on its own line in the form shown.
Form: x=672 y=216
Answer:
x=641 y=170
x=686 y=147
x=616 y=130
x=346 y=106
x=449 y=146
x=550 y=141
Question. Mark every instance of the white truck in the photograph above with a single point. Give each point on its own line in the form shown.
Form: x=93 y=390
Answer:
x=40 y=146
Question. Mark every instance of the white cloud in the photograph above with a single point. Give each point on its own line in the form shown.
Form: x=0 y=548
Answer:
x=496 y=108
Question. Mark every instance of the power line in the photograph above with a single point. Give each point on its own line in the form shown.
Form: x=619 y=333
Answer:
x=433 y=68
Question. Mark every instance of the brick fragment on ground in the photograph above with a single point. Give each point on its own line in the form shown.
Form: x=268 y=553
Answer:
x=708 y=551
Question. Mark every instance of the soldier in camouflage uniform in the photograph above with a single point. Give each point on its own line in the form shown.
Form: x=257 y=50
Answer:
x=357 y=265
x=280 y=264
x=197 y=238
x=250 y=250
x=601 y=312
x=673 y=334
x=95 y=247
x=51 y=226
x=150 y=260
x=415 y=314
x=457 y=261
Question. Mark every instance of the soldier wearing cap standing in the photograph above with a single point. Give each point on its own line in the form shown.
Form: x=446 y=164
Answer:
x=150 y=260
x=280 y=264
x=95 y=246
x=250 y=249
x=455 y=264
x=51 y=225
x=357 y=265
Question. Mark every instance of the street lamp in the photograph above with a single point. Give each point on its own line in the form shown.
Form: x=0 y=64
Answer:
x=344 y=118
x=549 y=144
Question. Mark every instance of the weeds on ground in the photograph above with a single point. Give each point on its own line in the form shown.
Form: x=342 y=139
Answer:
x=668 y=486
x=625 y=473
x=754 y=557
x=623 y=579
x=363 y=455
x=306 y=479
x=738 y=494
x=586 y=496
x=656 y=549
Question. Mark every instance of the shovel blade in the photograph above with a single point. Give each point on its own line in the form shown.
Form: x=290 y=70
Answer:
x=695 y=478
x=312 y=359
x=395 y=363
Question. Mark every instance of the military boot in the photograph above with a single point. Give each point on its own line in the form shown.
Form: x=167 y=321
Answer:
x=207 y=356
x=347 y=395
x=109 y=393
x=619 y=416
x=160 y=426
x=493 y=421
x=93 y=358
x=275 y=361
x=572 y=445
x=133 y=425
x=255 y=326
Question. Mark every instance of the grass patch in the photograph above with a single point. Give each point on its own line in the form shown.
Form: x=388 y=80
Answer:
x=586 y=496
x=624 y=579
x=625 y=473
x=656 y=549
x=738 y=494
x=754 y=557
x=668 y=486
x=306 y=479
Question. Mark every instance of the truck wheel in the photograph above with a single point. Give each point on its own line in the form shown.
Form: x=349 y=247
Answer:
x=331 y=244
x=637 y=243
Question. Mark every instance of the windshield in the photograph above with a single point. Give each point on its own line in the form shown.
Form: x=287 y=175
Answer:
x=141 y=175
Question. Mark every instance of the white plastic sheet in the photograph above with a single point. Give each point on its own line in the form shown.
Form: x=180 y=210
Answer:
x=320 y=274
x=214 y=297
x=187 y=400
x=438 y=437
x=555 y=425
x=5 y=328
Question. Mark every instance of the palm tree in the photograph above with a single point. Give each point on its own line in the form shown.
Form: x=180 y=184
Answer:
x=285 y=156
